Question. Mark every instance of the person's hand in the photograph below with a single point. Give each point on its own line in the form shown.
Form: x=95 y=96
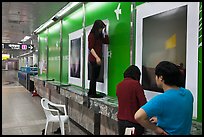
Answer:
x=153 y=120
x=98 y=61
x=160 y=131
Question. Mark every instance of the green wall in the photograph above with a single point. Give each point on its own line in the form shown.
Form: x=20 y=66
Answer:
x=117 y=45
x=200 y=67
x=71 y=23
x=42 y=51
x=54 y=52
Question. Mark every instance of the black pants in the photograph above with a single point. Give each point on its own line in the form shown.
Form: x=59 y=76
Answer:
x=95 y=70
x=122 y=124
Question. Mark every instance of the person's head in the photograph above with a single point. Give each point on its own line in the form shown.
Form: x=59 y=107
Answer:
x=132 y=72
x=97 y=28
x=167 y=73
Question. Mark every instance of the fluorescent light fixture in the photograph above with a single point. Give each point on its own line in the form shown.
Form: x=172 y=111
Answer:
x=62 y=12
x=26 y=38
x=6 y=41
x=43 y=26
x=25 y=54
x=67 y=8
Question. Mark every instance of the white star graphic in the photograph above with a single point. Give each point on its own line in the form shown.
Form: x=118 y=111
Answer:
x=118 y=11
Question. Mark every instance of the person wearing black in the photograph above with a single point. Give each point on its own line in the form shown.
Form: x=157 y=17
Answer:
x=97 y=37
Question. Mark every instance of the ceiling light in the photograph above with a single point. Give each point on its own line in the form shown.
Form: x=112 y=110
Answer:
x=67 y=8
x=61 y=13
x=43 y=26
x=26 y=38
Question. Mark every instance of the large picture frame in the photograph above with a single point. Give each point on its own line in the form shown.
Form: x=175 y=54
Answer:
x=75 y=58
x=150 y=9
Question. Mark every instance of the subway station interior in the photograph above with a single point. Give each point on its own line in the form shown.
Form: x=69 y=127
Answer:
x=46 y=69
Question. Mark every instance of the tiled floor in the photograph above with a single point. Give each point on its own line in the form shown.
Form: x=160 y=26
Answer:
x=22 y=114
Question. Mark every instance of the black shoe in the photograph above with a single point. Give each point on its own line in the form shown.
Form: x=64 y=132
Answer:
x=43 y=132
x=58 y=131
x=91 y=95
x=95 y=96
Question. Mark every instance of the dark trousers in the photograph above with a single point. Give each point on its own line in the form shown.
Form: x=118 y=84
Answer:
x=95 y=70
x=123 y=124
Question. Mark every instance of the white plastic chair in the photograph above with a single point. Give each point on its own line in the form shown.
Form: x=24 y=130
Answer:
x=55 y=117
x=129 y=131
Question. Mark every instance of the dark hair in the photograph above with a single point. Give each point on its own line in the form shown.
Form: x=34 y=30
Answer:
x=97 y=25
x=170 y=73
x=132 y=72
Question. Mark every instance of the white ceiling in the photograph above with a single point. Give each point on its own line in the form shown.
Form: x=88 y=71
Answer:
x=22 y=18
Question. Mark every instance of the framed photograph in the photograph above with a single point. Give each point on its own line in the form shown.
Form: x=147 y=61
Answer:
x=167 y=31
x=75 y=58
x=102 y=81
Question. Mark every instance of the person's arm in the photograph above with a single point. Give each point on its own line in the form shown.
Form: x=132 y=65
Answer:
x=91 y=41
x=142 y=118
x=98 y=60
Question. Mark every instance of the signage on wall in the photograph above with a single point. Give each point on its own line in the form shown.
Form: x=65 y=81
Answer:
x=24 y=46
x=17 y=46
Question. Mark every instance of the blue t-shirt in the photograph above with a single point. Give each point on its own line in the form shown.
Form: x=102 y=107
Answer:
x=173 y=109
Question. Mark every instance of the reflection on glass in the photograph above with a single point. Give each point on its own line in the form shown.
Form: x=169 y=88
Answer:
x=164 y=38
x=75 y=51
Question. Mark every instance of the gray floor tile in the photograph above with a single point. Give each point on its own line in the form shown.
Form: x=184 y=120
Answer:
x=30 y=130
x=22 y=114
x=12 y=131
